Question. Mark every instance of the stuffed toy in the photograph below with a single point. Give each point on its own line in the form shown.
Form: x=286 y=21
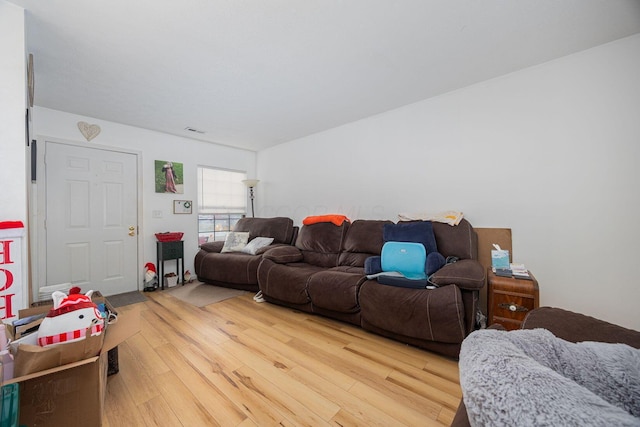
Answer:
x=187 y=277
x=150 y=277
x=149 y=272
x=70 y=318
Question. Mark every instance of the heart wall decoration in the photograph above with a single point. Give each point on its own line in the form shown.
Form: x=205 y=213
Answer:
x=89 y=131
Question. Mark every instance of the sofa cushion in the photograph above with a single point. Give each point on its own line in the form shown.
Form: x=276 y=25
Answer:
x=230 y=267
x=435 y=261
x=460 y=240
x=417 y=232
x=235 y=241
x=335 y=290
x=320 y=243
x=407 y=258
x=256 y=244
x=363 y=240
x=286 y=283
x=425 y=314
x=280 y=228
x=412 y=231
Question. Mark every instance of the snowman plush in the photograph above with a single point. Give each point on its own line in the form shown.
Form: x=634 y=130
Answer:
x=70 y=318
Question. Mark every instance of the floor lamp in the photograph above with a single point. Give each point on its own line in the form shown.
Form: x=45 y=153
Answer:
x=250 y=183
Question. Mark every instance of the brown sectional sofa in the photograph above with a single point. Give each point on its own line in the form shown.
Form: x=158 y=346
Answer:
x=319 y=269
x=236 y=269
x=323 y=273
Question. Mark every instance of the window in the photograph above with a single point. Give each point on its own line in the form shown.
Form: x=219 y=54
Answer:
x=222 y=201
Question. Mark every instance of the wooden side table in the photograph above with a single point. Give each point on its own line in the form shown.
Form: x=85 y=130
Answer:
x=167 y=251
x=510 y=299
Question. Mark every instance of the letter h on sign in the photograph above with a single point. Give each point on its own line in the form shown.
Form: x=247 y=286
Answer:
x=6 y=280
x=11 y=234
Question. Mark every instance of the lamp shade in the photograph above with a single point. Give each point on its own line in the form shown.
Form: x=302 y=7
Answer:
x=251 y=182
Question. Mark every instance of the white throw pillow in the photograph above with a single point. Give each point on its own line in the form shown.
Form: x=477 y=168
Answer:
x=257 y=243
x=235 y=241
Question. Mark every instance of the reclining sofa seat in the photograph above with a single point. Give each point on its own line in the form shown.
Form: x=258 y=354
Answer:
x=324 y=274
x=238 y=270
x=434 y=319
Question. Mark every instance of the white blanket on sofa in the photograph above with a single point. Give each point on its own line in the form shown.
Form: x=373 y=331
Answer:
x=532 y=378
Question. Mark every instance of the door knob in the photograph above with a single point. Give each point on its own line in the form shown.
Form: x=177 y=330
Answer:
x=132 y=231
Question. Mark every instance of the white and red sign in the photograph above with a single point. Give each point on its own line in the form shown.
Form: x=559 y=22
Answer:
x=11 y=286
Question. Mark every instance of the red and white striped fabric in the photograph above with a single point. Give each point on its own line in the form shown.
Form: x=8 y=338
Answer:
x=69 y=336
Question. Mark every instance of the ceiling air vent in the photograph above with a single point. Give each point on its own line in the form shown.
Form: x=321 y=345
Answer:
x=190 y=129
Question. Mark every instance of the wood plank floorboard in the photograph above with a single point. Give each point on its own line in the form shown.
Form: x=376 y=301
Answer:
x=241 y=363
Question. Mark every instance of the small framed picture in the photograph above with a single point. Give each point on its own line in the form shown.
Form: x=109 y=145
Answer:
x=182 y=206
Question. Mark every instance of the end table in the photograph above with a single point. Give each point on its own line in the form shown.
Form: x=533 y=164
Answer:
x=510 y=299
x=167 y=251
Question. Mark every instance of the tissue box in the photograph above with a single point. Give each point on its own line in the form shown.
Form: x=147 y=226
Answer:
x=499 y=259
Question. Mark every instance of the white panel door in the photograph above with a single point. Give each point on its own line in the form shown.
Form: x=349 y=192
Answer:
x=91 y=218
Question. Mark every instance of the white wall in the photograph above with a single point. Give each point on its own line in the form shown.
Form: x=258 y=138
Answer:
x=551 y=151
x=13 y=173
x=153 y=146
x=12 y=112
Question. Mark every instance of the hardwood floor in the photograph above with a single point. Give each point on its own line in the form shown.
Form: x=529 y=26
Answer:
x=241 y=363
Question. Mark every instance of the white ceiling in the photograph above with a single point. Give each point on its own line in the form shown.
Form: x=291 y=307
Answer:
x=255 y=73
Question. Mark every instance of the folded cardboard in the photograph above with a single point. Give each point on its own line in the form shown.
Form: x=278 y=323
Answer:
x=74 y=392
x=25 y=325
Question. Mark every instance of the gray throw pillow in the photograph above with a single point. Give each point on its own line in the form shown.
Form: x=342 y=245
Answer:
x=235 y=241
x=257 y=244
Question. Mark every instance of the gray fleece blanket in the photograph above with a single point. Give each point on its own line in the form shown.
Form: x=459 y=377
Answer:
x=532 y=378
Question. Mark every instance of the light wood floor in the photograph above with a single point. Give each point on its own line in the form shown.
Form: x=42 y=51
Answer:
x=241 y=363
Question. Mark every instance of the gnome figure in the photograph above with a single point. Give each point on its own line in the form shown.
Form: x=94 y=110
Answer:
x=150 y=277
x=70 y=318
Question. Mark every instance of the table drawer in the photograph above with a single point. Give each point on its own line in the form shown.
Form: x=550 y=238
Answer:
x=510 y=306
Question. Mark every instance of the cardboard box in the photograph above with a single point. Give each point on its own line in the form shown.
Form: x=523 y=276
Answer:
x=30 y=357
x=74 y=393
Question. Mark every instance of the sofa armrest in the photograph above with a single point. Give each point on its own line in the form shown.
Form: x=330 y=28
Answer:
x=283 y=254
x=262 y=250
x=465 y=273
x=576 y=327
x=212 y=246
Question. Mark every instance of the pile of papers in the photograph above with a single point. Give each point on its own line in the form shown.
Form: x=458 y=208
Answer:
x=517 y=271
